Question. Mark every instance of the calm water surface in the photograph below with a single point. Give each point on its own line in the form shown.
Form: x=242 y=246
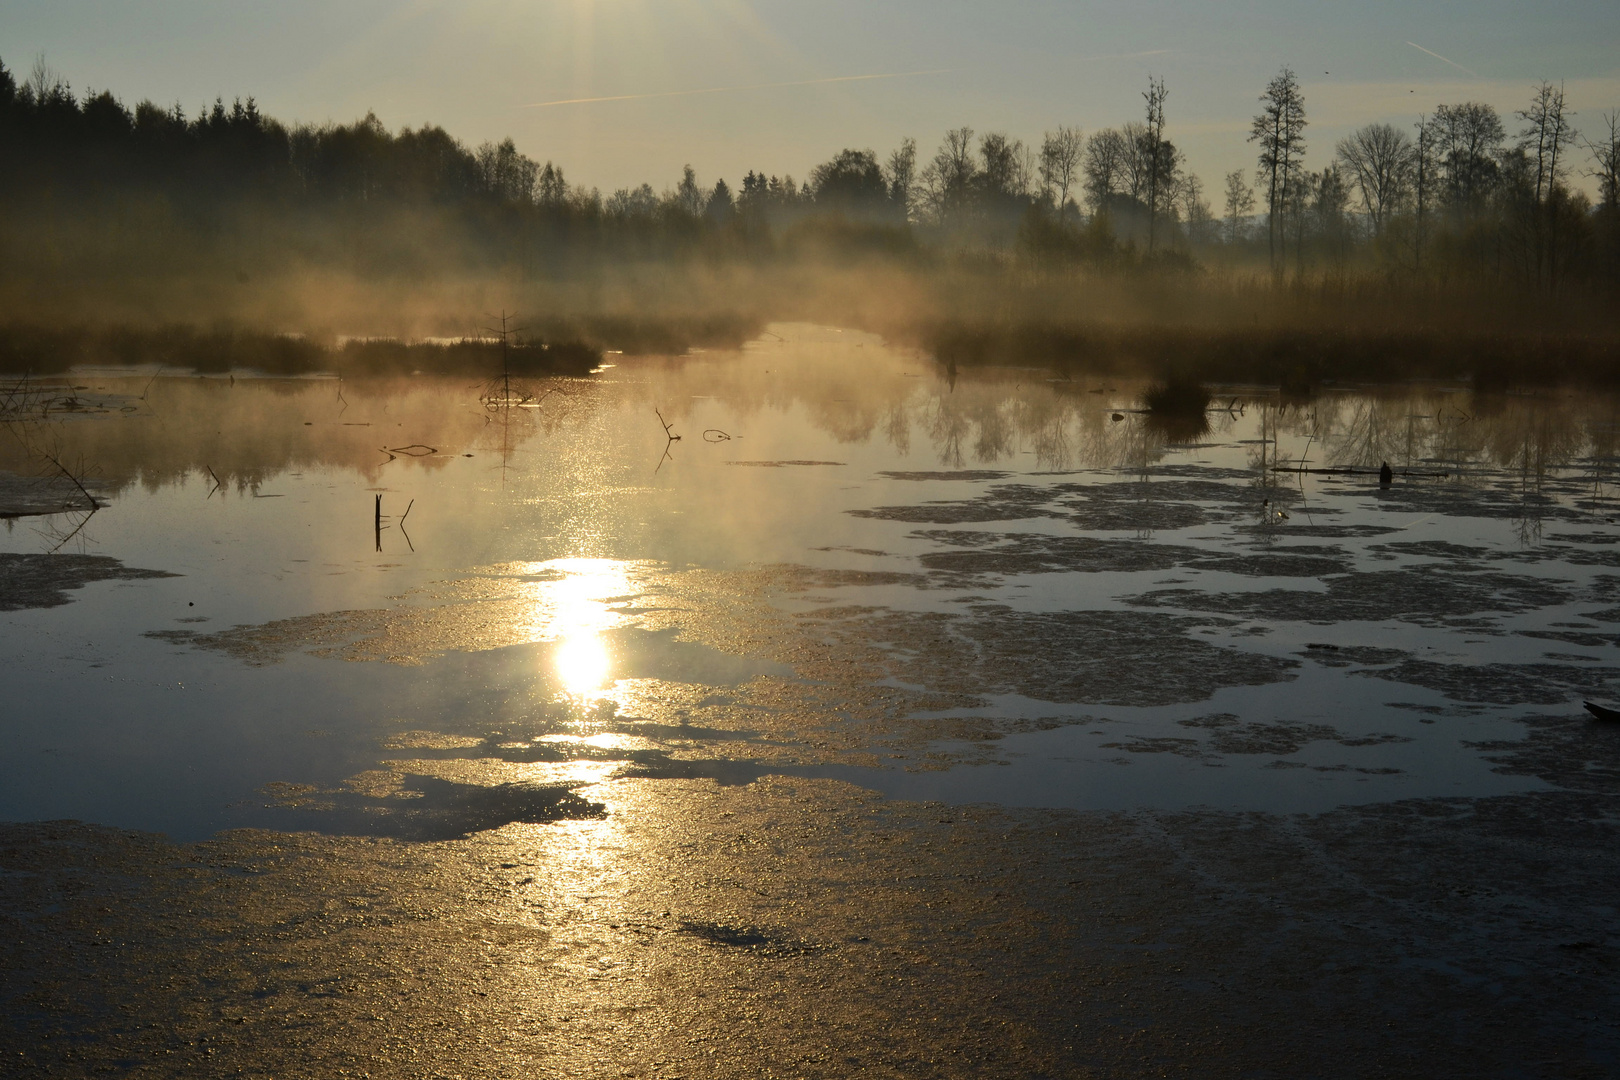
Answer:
x=980 y=587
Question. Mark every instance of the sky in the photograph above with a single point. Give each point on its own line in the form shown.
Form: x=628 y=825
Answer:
x=789 y=83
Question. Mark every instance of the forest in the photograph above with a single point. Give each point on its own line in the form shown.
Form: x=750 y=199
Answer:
x=154 y=214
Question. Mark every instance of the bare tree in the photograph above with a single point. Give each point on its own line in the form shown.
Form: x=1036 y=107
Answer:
x=1160 y=157
x=1060 y=164
x=45 y=85
x=1331 y=203
x=1194 y=208
x=1003 y=173
x=632 y=202
x=1027 y=169
x=506 y=172
x=902 y=175
x=1380 y=159
x=551 y=189
x=1134 y=161
x=1605 y=168
x=1280 y=130
x=1302 y=193
x=1239 y=203
x=947 y=181
x=1468 y=138
x=1105 y=166
x=1545 y=135
x=1544 y=138
x=1425 y=178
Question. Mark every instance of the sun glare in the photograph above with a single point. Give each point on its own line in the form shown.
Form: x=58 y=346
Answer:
x=583 y=665
x=575 y=611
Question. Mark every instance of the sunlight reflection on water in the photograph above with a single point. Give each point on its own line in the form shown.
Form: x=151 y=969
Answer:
x=573 y=610
x=582 y=665
x=877 y=595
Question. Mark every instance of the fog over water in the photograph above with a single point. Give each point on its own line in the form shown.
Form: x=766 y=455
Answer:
x=556 y=560
x=1146 y=622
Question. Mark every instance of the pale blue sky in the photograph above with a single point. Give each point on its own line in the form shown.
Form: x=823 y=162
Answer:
x=1018 y=66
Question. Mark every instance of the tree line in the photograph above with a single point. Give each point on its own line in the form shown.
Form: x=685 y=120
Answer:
x=1462 y=193
x=1459 y=194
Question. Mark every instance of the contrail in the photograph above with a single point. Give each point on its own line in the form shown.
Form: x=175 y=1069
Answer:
x=1443 y=60
x=732 y=89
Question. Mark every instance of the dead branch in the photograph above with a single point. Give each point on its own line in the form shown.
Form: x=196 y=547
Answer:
x=89 y=499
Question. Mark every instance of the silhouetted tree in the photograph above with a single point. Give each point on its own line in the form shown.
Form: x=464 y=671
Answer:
x=50 y=93
x=902 y=177
x=1105 y=166
x=551 y=190
x=852 y=183
x=1332 y=200
x=1135 y=162
x=1297 y=214
x=1425 y=186
x=1544 y=139
x=1003 y=175
x=1280 y=130
x=720 y=207
x=507 y=174
x=1380 y=158
x=1061 y=151
x=687 y=197
x=1545 y=136
x=1605 y=151
x=948 y=180
x=1194 y=209
x=640 y=202
x=1160 y=160
x=1468 y=138
x=90 y=184
x=1605 y=169
x=1239 y=204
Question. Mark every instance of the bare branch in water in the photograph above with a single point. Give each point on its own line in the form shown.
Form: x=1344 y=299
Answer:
x=89 y=499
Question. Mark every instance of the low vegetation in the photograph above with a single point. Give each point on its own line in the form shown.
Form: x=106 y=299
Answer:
x=1466 y=246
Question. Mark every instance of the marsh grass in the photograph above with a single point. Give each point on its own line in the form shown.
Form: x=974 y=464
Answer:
x=1294 y=358
x=525 y=357
x=37 y=350
x=1177 y=409
x=556 y=346
x=32 y=348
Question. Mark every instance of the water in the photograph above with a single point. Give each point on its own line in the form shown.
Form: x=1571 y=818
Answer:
x=977 y=586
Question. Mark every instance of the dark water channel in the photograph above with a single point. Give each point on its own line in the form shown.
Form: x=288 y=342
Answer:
x=994 y=587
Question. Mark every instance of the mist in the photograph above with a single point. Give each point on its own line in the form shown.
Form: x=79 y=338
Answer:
x=1455 y=249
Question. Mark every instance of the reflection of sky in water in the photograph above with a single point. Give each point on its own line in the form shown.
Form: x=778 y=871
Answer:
x=779 y=443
